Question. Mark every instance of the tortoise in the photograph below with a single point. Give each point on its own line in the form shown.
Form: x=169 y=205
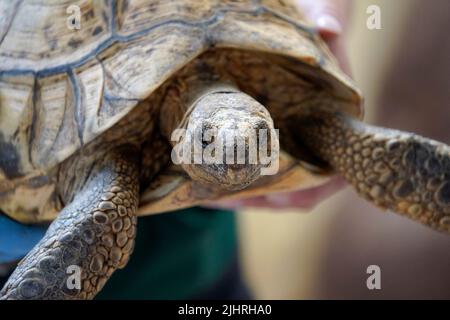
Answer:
x=87 y=118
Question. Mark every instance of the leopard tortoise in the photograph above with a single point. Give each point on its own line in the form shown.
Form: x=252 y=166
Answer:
x=87 y=118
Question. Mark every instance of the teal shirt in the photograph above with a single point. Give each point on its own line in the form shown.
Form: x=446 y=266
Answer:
x=177 y=255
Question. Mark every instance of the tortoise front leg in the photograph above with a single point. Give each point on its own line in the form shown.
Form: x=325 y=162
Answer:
x=395 y=170
x=92 y=237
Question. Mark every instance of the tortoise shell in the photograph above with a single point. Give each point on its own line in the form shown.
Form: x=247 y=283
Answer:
x=66 y=92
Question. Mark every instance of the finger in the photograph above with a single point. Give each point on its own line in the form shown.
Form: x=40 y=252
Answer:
x=329 y=16
x=302 y=199
x=337 y=47
x=306 y=199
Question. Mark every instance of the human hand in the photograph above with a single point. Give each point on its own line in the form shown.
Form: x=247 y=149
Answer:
x=330 y=17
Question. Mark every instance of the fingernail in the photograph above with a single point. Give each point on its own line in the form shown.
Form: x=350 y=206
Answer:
x=282 y=200
x=329 y=23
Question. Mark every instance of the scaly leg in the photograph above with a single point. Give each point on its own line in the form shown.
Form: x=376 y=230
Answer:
x=395 y=170
x=92 y=237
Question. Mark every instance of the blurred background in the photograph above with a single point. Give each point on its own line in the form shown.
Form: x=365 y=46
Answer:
x=404 y=72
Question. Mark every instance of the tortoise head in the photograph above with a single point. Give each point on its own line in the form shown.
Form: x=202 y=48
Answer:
x=229 y=139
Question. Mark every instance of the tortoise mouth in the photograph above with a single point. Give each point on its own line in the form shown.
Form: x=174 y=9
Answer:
x=231 y=177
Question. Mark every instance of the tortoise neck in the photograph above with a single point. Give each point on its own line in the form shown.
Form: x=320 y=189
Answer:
x=183 y=95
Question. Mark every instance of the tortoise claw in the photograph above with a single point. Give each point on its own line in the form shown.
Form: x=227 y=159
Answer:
x=90 y=239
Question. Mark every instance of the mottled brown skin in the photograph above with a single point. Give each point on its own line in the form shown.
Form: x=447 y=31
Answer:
x=79 y=134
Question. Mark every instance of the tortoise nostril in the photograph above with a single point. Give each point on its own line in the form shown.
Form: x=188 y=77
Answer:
x=206 y=125
x=208 y=134
x=261 y=124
